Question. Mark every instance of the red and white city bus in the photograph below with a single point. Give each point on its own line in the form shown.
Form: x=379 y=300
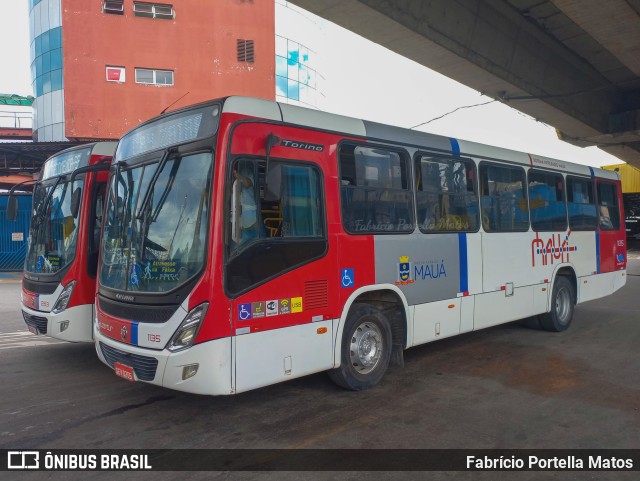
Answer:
x=59 y=277
x=248 y=242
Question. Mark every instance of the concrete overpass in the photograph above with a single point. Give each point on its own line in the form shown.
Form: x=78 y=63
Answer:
x=574 y=64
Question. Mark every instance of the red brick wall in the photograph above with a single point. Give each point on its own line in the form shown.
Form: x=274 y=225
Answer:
x=199 y=45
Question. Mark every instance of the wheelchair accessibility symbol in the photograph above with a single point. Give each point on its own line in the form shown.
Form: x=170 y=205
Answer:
x=244 y=312
x=347 y=277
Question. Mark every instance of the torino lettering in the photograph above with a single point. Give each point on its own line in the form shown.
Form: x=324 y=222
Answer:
x=301 y=145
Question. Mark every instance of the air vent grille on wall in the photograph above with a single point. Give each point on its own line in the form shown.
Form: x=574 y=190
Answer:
x=316 y=294
x=245 y=50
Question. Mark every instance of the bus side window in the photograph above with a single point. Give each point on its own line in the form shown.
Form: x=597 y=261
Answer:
x=95 y=229
x=581 y=203
x=98 y=216
x=446 y=195
x=290 y=225
x=294 y=190
x=608 y=206
x=546 y=201
x=375 y=190
x=503 y=198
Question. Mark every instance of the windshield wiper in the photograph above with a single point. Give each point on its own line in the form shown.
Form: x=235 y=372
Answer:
x=39 y=217
x=165 y=193
x=146 y=214
x=114 y=183
x=156 y=174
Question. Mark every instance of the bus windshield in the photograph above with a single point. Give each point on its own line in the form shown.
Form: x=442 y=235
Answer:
x=53 y=232
x=156 y=223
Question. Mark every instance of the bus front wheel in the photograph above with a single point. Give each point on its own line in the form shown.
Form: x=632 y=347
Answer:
x=559 y=317
x=365 y=348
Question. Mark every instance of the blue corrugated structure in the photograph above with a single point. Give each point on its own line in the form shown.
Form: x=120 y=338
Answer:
x=14 y=234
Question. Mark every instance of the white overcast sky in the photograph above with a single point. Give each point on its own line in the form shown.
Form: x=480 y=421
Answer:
x=15 y=76
x=367 y=81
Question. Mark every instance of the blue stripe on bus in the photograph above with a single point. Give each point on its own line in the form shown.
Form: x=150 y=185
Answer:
x=134 y=333
x=593 y=175
x=464 y=267
x=598 y=251
x=455 y=147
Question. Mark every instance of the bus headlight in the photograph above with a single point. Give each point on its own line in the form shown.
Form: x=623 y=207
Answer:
x=63 y=299
x=188 y=330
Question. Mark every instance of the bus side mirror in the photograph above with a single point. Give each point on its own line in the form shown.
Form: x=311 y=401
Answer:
x=12 y=207
x=75 y=202
x=273 y=183
x=236 y=212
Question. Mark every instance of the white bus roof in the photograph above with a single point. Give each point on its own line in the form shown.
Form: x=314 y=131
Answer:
x=305 y=117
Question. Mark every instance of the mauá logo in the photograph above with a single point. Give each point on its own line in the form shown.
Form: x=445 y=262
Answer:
x=431 y=270
x=404 y=271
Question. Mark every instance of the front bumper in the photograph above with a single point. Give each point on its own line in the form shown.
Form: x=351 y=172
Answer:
x=165 y=368
x=79 y=318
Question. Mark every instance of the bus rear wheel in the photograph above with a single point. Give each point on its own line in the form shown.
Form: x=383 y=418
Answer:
x=365 y=349
x=560 y=316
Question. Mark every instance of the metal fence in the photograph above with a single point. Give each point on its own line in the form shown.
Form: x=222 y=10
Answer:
x=16 y=120
x=14 y=234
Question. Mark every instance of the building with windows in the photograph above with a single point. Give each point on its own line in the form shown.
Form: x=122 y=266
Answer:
x=101 y=67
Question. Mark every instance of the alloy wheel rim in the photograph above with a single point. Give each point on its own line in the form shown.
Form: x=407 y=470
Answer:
x=366 y=347
x=563 y=303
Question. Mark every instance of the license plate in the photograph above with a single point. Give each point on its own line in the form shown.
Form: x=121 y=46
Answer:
x=125 y=372
x=33 y=330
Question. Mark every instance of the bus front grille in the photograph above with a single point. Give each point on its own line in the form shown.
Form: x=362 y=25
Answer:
x=138 y=313
x=144 y=366
x=40 y=323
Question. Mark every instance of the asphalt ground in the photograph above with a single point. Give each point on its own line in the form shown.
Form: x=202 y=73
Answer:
x=503 y=387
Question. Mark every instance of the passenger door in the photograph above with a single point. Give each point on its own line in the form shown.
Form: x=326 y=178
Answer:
x=280 y=269
x=506 y=251
x=611 y=234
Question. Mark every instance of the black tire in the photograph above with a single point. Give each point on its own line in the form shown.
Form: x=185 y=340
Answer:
x=367 y=330
x=563 y=297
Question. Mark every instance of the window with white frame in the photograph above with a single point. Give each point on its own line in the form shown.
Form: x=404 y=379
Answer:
x=114 y=7
x=153 y=10
x=154 y=77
